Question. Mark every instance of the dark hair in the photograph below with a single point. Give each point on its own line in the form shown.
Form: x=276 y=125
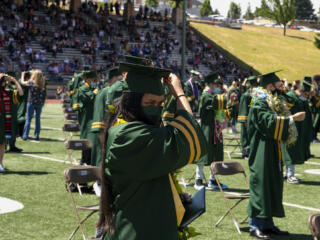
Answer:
x=129 y=106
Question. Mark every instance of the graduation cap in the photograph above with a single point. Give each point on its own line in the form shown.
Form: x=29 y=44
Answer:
x=89 y=74
x=268 y=78
x=144 y=79
x=252 y=80
x=306 y=86
x=307 y=79
x=114 y=72
x=12 y=73
x=137 y=60
x=316 y=78
x=213 y=78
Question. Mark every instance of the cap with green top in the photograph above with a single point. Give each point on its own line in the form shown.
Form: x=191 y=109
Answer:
x=89 y=74
x=137 y=60
x=114 y=72
x=268 y=78
x=306 y=86
x=307 y=79
x=144 y=79
x=213 y=78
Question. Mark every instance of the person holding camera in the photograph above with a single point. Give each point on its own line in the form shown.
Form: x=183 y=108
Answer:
x=8 y=97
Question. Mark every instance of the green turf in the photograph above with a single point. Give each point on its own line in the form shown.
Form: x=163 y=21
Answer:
x=266 y=49
x=48 y=214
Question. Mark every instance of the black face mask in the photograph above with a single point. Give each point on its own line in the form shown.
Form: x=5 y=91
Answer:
x=279 y=92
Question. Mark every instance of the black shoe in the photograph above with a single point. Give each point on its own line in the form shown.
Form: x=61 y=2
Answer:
x=276 y=231
x=259 y=234
x=37 y=138
x=199 y=184
x=15 y=149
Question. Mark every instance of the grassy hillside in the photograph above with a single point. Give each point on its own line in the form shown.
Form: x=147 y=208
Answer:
x=266 y=49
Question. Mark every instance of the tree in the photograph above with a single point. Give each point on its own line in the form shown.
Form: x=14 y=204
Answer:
x=206 y=9
x=304 y=10
x=216 y=12
x=281 y=11
x=317 y=41
x=234 y=11
x=248 y=15
x=152 y=3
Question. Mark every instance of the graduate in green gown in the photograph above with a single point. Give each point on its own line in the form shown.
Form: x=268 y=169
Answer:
x=7 y=99
x=99 y=113
x=298 y=153
x=212 y=110
x=267 y=130
x=139 y=200
x=245 y=103
x=22 y=105
x=15 y=99
x=316 y=107
x=84 y=98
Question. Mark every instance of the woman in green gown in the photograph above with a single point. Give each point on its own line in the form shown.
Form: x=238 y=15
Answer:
x=139 y=200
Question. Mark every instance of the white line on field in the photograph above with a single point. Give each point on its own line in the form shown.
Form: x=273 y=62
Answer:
x=45 y=158
x=287 y=204
x=301 y=207
x=312 y=163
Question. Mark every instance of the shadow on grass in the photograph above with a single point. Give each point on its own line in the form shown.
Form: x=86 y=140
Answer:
x=26 y=173
x=298 y=37
x=29 y=153
x=51 y=140
x=292 y=236
x=310 y=183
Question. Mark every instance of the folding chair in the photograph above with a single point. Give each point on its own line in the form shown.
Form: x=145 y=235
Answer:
x=80 y=175
x=74 y=145
x=69 y=110
x=70 y=128
x=314 y=225
x=71 y=117
x=230 y=168
x=234 y=143
x=65 y=101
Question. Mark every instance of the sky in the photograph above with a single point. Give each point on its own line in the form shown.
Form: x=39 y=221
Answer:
x=223 y=5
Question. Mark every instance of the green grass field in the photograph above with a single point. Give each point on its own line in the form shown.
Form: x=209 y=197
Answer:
x=266 y=49
x=48 y=214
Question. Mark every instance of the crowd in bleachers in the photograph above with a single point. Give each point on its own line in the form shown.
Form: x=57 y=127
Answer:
x=100 y=37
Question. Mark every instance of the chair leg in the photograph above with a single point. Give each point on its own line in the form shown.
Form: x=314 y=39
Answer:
x=244 y=220
x=220 y=220
x=82 y=221
x=236 y=224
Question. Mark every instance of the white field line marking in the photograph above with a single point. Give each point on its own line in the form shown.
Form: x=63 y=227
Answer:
x=302 y=207
x=8 y=205
x=51 y=128
x=287 y=204
x=45 y=158
x=312 y=163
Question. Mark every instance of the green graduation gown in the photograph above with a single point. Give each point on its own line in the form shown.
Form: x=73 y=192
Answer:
x=85 y=98
x=244 y=108
x=138 y=160
x=316 y=113
x=209 y=103
x=100 y=107
x=22 y=105
x=2 y=121
x=265 y=129
x=295 y=153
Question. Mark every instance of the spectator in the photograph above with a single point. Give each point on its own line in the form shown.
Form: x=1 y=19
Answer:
x=36 y=97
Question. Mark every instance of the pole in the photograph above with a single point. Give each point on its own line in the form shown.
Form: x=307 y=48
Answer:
x=183 y=57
